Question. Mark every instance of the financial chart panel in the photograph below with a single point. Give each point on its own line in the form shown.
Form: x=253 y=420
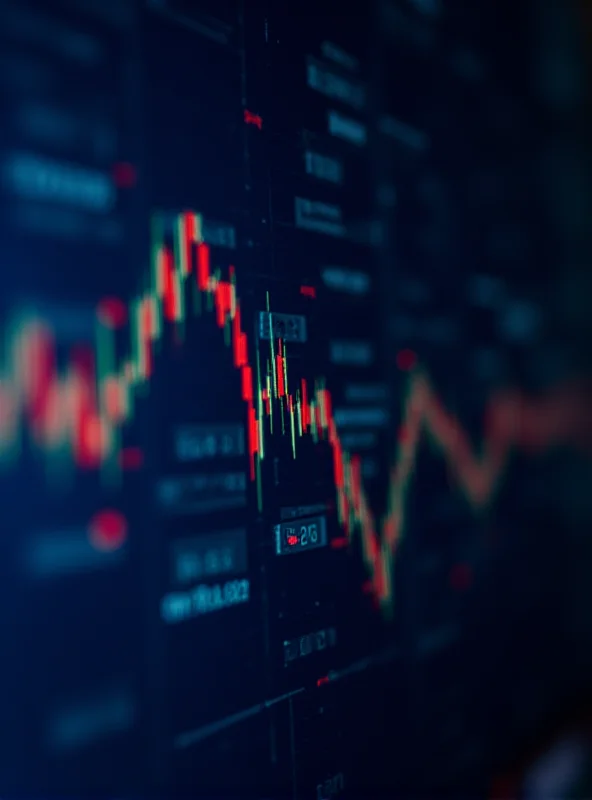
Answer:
x=294 y=436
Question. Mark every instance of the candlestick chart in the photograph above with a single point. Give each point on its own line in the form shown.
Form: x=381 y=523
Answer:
x=294 y=397
x=80 y=407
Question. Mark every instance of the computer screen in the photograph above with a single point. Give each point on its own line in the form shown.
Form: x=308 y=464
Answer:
x=294 y=400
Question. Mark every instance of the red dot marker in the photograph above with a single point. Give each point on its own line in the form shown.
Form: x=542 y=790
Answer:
x=112 y=312
x=406 y=360
x=107 y=530
x=124 y=175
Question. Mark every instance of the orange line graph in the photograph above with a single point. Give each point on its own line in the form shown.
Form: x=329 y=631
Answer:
x=82 y=406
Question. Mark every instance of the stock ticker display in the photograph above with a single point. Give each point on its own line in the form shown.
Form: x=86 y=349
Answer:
x=293 y=427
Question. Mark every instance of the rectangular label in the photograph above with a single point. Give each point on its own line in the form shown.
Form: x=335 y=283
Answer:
x=219 y=234
x=288 y=327
x=350 y=130
x=297 y=537
x=331 y=52
x=210 y=555
x=359 y=440
x=90 y=719
x=401 y=132
x=323 y=167
x=302 y=646
x=39 y=178
x=53 y=554
x=200 y=442
x=313 y=215
x=329 y=83
x=349 y=281
x=356 y=392
x=361 y=417
x=352 y=353
x=293 y=512
x=204 y=492
x=203 y=599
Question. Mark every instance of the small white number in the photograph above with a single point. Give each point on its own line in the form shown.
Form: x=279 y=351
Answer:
x=303 y=535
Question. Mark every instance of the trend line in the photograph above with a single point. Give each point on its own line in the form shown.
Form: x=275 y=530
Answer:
x=82 y=408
